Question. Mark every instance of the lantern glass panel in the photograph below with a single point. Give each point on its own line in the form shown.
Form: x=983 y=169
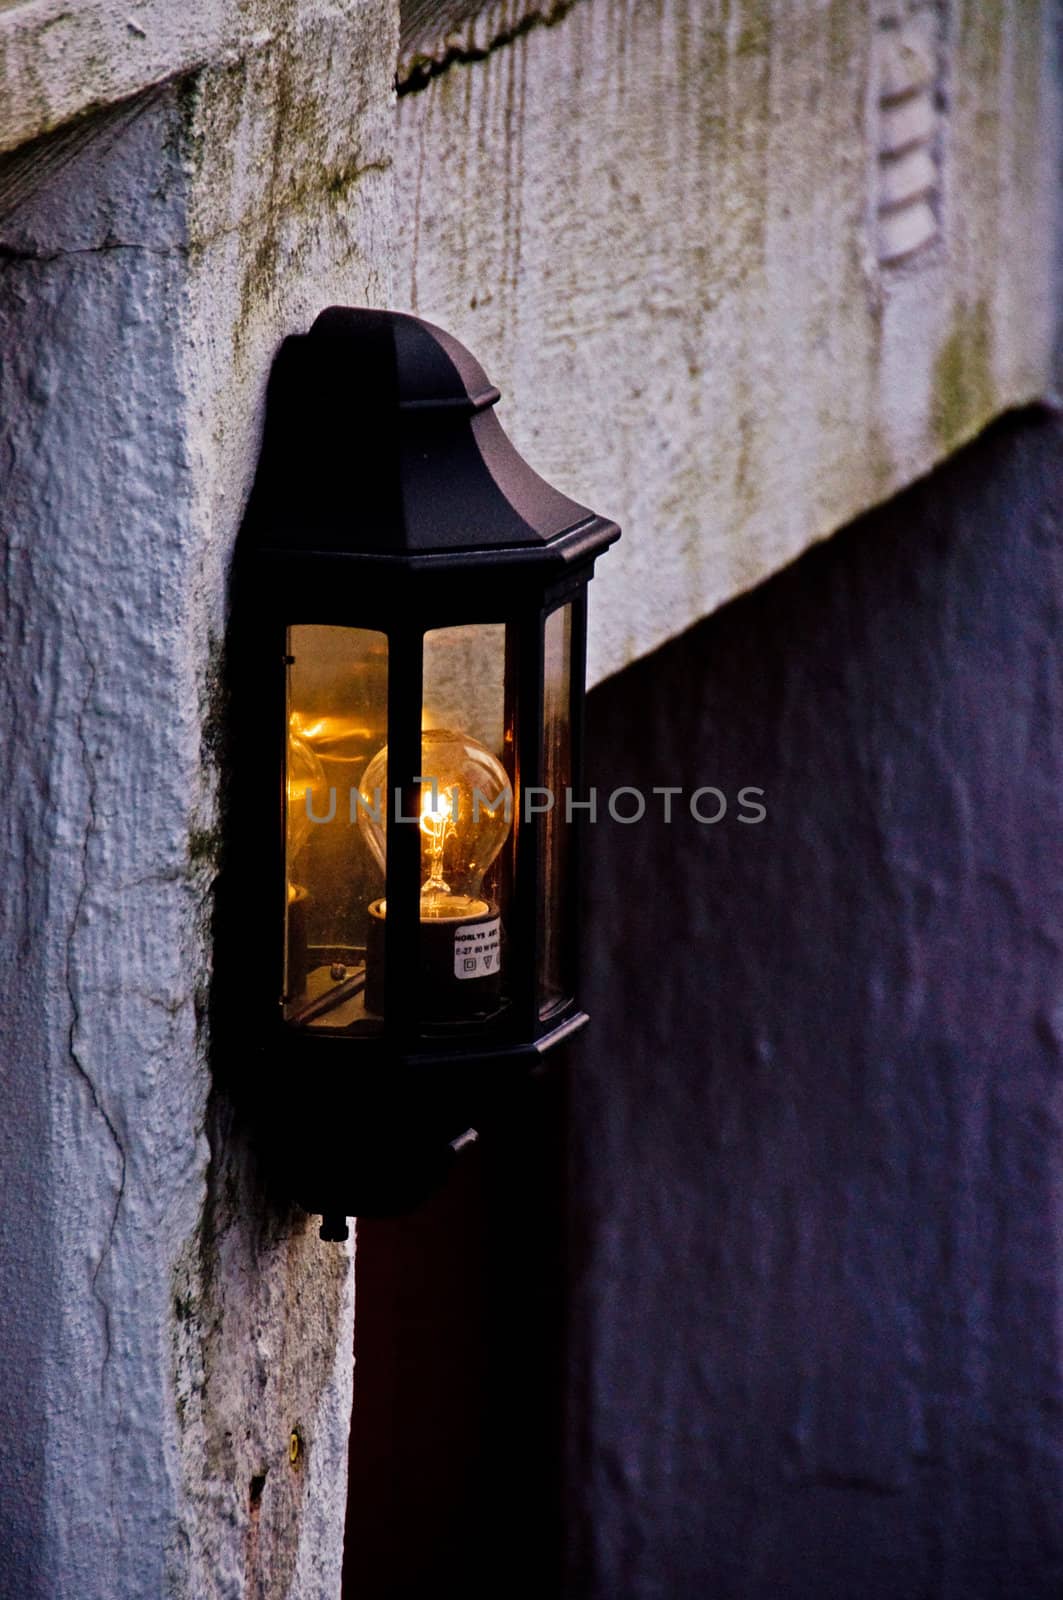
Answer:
x=337 y=720
x=467 y=832
x=555 y=975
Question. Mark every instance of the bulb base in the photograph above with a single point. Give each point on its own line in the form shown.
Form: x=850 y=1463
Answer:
x=459 y=972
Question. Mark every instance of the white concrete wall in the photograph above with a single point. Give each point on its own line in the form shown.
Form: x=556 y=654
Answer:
x=164 y=1328
x=658 y=225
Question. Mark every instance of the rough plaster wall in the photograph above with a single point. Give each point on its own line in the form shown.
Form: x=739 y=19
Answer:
x=59 y=60
x=656 y=223
x=817 y=1113
x=166 y=1325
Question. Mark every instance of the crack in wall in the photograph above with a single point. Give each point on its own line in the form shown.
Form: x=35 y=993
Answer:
x=75 y=1010
x=335 y=183
x=10 y=253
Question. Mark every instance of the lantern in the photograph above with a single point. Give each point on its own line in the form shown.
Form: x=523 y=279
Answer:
x=400 y=916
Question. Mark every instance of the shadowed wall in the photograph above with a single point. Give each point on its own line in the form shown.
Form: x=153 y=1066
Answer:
x=816 y=1209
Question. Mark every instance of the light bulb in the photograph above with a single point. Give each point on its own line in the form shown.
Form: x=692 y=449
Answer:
x=466 y=811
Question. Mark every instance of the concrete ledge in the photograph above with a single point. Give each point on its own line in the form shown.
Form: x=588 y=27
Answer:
x=62 y=58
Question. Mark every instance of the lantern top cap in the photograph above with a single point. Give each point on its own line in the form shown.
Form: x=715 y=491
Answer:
x=381 y=444
x=428 y=367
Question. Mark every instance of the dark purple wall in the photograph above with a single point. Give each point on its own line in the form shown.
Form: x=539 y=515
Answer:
x=816 y=1192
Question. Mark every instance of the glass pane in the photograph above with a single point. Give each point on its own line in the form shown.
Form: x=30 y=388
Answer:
x=554 y=858
x=337 y=721
x=466 y=823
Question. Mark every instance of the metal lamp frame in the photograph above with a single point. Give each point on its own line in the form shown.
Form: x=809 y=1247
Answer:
x=387 y=497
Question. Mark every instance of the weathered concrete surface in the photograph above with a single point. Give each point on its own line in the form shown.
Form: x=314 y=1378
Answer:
x=59 y=60
x=165 y=1327
x=657 y=224
x=817 y=1114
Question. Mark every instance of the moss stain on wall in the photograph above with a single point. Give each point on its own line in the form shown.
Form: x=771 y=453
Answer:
x=962 y=391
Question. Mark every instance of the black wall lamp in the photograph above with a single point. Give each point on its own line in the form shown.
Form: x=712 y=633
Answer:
x=400 y=911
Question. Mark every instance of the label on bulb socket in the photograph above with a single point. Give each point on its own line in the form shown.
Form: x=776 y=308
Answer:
x=477 y=949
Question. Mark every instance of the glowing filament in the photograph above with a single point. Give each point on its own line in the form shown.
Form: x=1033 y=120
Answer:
x=437 y=824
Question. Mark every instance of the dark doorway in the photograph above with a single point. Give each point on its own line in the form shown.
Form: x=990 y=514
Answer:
x=456 y=1431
